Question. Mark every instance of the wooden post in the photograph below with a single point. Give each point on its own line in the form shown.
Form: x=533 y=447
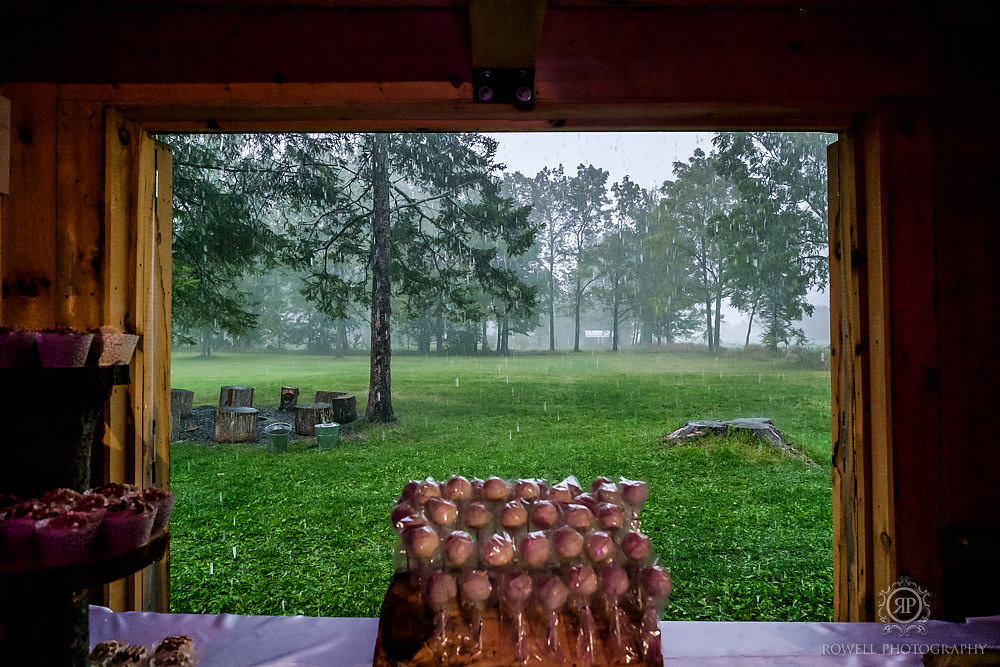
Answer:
x=343 y=403
x=235 y=396
x=289 y=397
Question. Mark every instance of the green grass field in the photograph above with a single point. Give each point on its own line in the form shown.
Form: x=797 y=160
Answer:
x=745 y=531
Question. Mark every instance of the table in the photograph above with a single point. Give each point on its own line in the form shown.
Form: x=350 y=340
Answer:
x=227 y=640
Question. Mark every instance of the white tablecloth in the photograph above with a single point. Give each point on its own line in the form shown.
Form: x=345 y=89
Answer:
x=226 y=640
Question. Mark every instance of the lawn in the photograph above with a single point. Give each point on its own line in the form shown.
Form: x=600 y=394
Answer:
x=745 y=531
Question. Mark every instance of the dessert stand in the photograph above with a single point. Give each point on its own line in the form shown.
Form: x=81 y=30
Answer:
x=48 y=418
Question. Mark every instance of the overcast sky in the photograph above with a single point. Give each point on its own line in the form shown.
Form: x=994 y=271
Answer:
x=647 y=157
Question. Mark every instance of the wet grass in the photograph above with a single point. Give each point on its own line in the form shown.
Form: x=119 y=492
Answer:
x=745 y=530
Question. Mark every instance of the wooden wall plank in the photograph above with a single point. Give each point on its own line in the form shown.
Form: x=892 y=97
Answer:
x=156 y=451
x=965 y=148
x=851 y=456
x=915 y=415
x=79 y=243
x=4 y=145
x=119 y=292
x=842 y=538
x=876 y=357
x=29 y=231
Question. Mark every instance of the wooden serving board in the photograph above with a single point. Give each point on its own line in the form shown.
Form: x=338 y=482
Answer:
x=406 y=636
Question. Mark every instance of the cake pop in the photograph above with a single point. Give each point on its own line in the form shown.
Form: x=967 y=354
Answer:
x=552 y=594
x=534 y=549
x=458 y=548
x=544 y=514
x=476 y=589
x=582 y=581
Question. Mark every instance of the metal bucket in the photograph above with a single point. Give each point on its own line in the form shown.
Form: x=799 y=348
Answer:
x=327 y=435
x=277 y=436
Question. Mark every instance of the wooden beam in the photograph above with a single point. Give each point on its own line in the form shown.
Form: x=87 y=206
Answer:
x=505 y=33
x=339 y=107
x=588 y=55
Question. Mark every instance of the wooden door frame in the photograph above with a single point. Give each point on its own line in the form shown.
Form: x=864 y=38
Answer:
x=135 y=447
x=865 y=347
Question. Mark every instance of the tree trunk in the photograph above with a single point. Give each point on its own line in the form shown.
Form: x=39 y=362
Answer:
x=753 y=311
x=380 y=380
x=423 y=336
x=708 y=316
x=646 y=335
x=552 y=308
x=718 y=320
x=206 y=344
x=614 y=321
x=505 y=337
x=438 y=334
x=341 y=344
x=576 y=315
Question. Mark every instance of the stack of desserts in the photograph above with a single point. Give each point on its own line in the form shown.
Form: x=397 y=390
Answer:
x=498 y=572
x=64 y=527
x=172 y=651
x=65 y=347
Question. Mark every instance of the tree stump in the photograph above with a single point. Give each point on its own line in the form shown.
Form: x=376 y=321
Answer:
x=760 y=427
x=344 y=405
x=181 y=402
x=289 y=397
x=235 y=424
x=236 y=396
x=310 y=414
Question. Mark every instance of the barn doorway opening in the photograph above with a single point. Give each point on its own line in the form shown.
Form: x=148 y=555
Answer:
x=649 y=293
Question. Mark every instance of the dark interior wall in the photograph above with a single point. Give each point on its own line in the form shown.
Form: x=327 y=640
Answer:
x=967 y=237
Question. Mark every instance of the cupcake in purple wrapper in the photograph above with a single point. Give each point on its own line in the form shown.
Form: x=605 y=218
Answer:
x=67 y=538
x=18 y=533
x=17 y=348
x=92 y=503
x=127 y=524
x=111 y=346
x=63 y=348
x=7 y=500
x=60 y=497
x=114 y=490
x=163 y=501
